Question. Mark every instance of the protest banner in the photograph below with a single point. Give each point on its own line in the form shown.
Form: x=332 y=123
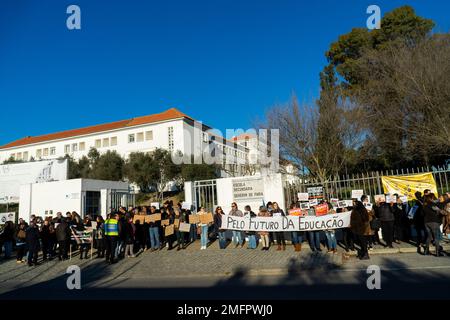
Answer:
x=169 y=230
x=194 y=219
x=303 y=196
x=322 y=209
x=155 y=204
x=289 y=223
x=206 y=218
x=304 y=206
x=409 y=185
x=380 y=198
x=165 y=222
x=357 y=194
x=184 y=227
x=296 y=212
x=315 y=193
x=313 y=202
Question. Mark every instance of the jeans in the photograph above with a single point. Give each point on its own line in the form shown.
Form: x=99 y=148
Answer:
x=193 y=233
x=180 y=238
x=154 y=237
x=20 y=251
x=111 y=245
x=434 y=232
x=237 y=237
x=279 y=236
x=314 y=240
x=331 y=239
x=363 y=243
x=252 y=241
x=297 y=237
x=33 y=255
x=119 y=248
x=8 y=249
x=222 y=240
x=204 y=236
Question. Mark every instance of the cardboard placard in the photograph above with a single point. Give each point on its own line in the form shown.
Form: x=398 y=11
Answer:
x=380 y=198
x=303 y=196
x=194 y=219
x=94 y=224
x=141 y=218
x=185 y=227
x=342 y=204
x=176 y=223
x=154 y=217
x=357 y=194
x=313 y=202
x=206 y=218
x=296 y=212
x=186 y=205
x=176 y=211
x=169 y=230
x=321 y=210
x=165 y=222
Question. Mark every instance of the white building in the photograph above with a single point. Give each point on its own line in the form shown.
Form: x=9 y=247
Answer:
x=171 y=130
x=85 y=196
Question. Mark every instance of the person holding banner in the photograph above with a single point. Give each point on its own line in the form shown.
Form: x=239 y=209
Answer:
x=237 y=235
x=330 y=234
x=359 y=223
x=263 y=212
x=384 y=212
x=248 y=213
x=180 y=235
x=297 y=236
x=168 y=214
x=279 y=236
x=218 y=215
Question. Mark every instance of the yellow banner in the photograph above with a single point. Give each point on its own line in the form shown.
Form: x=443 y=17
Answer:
x=408 y=185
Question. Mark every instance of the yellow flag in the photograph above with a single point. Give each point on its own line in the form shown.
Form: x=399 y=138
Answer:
x=408 y=185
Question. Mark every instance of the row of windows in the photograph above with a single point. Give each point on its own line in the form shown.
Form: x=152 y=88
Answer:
x=139 y=137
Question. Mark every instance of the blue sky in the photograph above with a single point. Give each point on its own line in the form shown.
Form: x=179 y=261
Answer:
x=220 y=61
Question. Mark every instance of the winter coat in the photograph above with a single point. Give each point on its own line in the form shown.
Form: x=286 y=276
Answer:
x=218 y=222
x=63 y=232
x=431 y=214
x=385 y=212
x=32 y=238
x=359 y=221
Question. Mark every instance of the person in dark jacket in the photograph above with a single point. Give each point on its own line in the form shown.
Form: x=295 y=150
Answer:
x=32 y=238
x=169 y=214
x=130 y=231
x=63 y=238
x=359 y=223
x=45 y=238
x=181 y=236
x=21 y=241
x=433 y=220
x=154 y=230
x=384 y=212
x=8 y=238
x=248 y=213
x=279 y=236
x=418 y=221
x=100 y=237
x=218 y=215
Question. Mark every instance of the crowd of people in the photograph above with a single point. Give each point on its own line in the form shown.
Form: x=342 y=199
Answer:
x=121 y=235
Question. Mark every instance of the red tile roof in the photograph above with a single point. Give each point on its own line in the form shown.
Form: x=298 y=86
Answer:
x=169 y=114
x=244 y=136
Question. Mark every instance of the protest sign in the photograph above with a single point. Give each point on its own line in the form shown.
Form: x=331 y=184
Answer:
x=155 y=204
x=206 y=218
x=185 y=227
x=322 y=209
x=94 y=224
x=289 y=223
x=165 y=222
x=296 y=212
x=357 y=194
x=349 y=203
x=334 y=202
x=137 y=217
x=303 y=196
x=169 y=230
x=154 y=217
x=7 y=216
x=404 y=199
x=313 y=202
x=186 y=205
x=380 y=198
x=176 y=223
x=315 y=193
x=194 y=219
x=390 y=198
x=368 y=206
x=342 y=204
x=304 y=205
x=148 y=219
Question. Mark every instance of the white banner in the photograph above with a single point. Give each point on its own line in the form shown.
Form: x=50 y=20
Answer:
x=289 y=223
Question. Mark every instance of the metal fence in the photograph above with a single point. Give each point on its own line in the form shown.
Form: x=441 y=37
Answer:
x=205 y=194
x=121 y=198
x=342 y=186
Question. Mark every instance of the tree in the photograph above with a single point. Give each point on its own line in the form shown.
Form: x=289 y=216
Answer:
x=140 y=168
x=166 y=170
x=195 y=172
x=11 y=160
x=108 y=166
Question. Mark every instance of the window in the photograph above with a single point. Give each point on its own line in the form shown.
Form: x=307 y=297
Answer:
x=74 y=147
x=140 y=137
x=98 y=143
x=82 y=146
x=67 y=149
x=170 y=136
x=131 y=138
x=114 y=141
x=106 y=142
x=38 y=153
x=19 y=156
x=52 y=151
x=149 y=135
x=205 y=137
x=25 y=156
x=45 y=152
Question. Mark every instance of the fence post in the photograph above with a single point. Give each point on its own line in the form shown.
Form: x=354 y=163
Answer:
x=379 y=183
